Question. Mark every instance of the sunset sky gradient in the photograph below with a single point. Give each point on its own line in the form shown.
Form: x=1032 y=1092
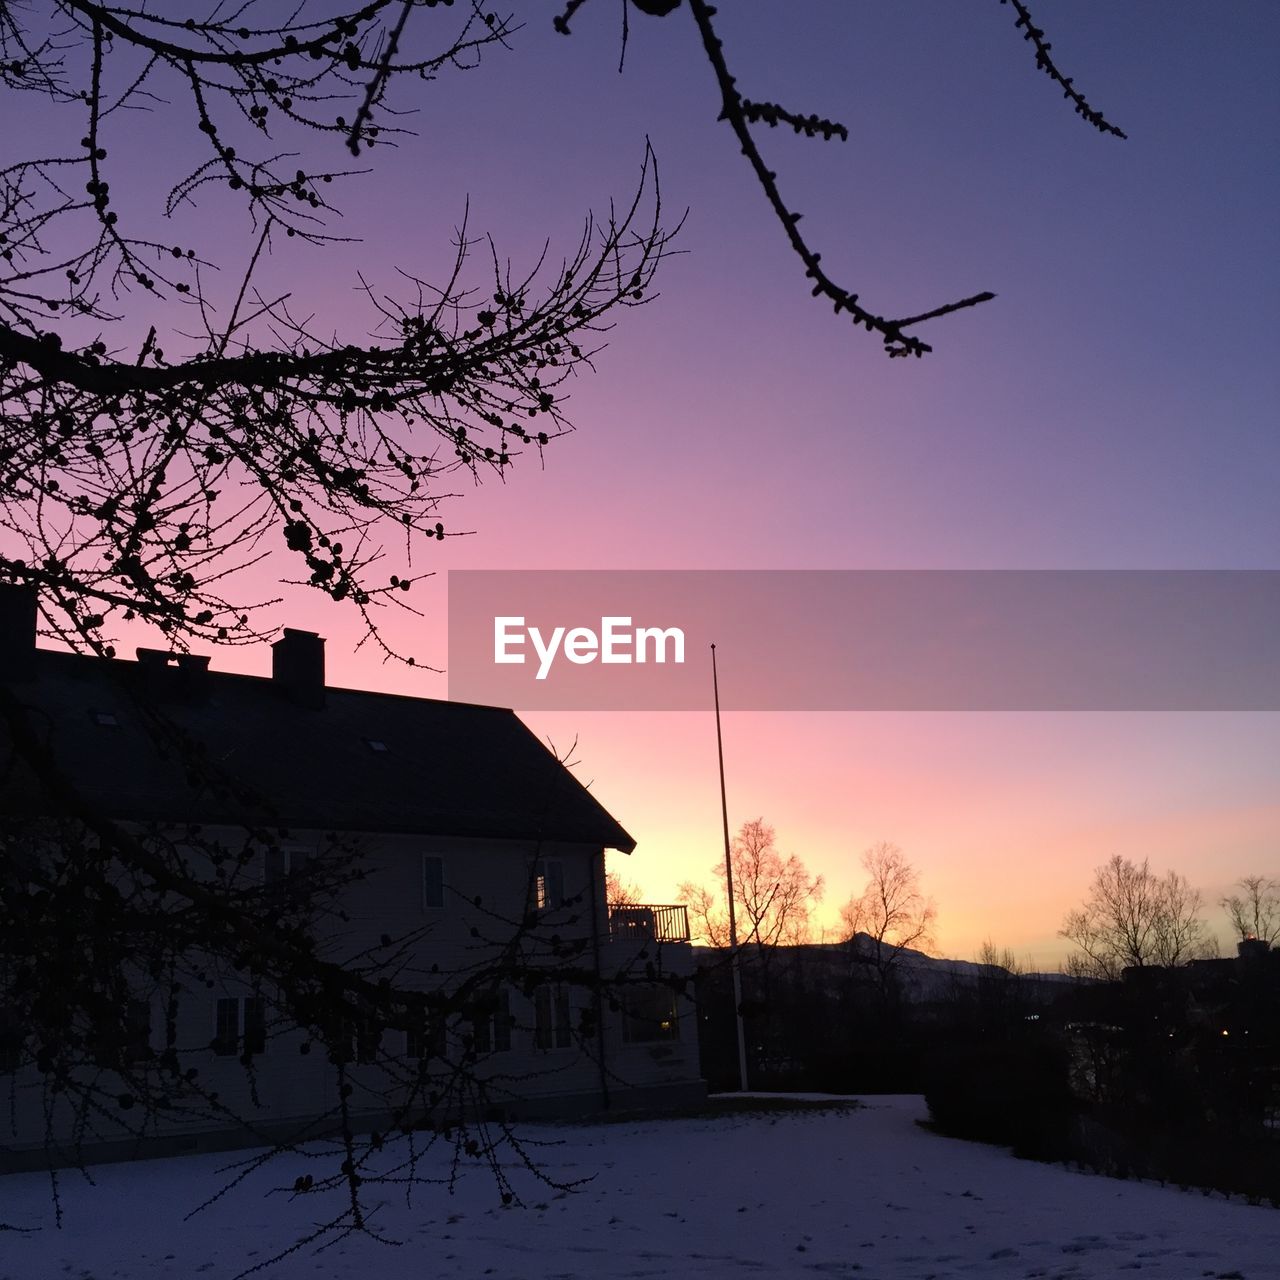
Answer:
x=1114 y=407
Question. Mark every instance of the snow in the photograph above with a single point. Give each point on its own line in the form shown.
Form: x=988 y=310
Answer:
x=862 y=1194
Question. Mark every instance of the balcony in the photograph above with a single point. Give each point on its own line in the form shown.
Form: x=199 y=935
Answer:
x=648 y=923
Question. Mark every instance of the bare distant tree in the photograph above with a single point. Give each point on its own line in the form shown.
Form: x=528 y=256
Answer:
x=1134 y=918
x=1000 y=958
x=1001 y=991
x=773 y=894
x=890 y=916
x=1255 y=911
x=619 y=892
x=892 y=912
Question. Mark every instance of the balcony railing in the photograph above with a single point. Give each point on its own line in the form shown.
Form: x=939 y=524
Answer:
x=648 y=923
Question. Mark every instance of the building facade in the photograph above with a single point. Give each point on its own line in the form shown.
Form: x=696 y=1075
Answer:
x=472 y=870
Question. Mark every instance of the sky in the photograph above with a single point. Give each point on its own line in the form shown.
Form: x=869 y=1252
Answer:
x=1114 y=407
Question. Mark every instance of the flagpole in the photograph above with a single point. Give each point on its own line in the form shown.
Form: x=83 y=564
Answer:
x=734 y=965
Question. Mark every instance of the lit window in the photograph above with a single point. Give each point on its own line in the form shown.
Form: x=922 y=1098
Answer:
x=548 y=884
x=649 y=1013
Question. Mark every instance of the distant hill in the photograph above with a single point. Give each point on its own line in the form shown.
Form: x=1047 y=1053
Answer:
x=921 y=977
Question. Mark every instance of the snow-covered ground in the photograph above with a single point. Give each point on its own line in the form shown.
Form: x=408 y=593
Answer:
x=862 y=1194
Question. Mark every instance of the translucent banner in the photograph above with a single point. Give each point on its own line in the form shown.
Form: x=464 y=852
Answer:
x=837 y=640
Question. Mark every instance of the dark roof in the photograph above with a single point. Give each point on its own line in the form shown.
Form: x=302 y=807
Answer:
x=448 y=768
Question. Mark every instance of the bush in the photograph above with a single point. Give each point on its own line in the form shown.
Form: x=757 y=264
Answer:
x=1015 y=1094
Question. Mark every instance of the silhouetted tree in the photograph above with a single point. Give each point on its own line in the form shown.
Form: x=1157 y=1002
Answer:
x=773 y=894
x=621 y=893
x=890 y=916
x=1254 y=910
x=742 y=115
x=142 y=472
x=1001 y=988
x=1134 y=918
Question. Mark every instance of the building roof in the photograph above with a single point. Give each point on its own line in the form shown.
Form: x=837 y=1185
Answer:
x=362 y=761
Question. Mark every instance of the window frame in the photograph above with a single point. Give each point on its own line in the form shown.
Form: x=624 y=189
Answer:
x=438 y=860
x=548 y=884
x=368 y=1034
x=552 y=1017
x=226 y=1030
x=253 y=1025
x=295 y=858
x=491 y=1029
x=12 y=1041
x=429 y=1039
x=247 y=1024
x=137 y=1027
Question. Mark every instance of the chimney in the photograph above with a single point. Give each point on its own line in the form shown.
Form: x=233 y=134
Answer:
x=17 y=631
x=297 y=667
x=179 y=676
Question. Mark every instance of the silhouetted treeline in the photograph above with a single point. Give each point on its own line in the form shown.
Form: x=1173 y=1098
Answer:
x=850 y=1016
x=1170 y=1073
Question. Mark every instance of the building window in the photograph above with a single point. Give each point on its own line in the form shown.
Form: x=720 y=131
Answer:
x=649 y=1014
x=340 y=1037
x=236 y=1017
x=548 y=884
x=491 y=1025
x=226 y=1034
x=255 y=1025
x=282 y=863
x=427 y=1038
x=368 y=1039
x=432 y=882
x=552 y=1024
x=502 y=1023
x=11 y=1039
x=122 y=1035
x=137 y=1030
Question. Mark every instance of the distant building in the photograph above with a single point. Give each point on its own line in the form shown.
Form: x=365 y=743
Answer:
x=461 y=814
